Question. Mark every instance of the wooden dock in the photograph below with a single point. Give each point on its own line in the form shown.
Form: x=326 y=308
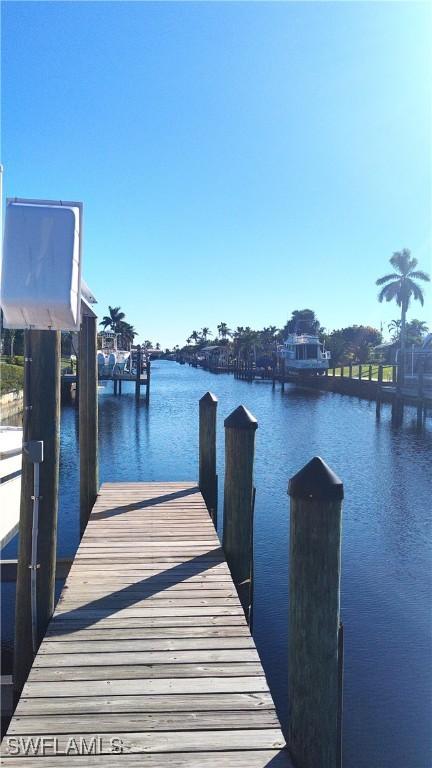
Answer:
x=148 y=659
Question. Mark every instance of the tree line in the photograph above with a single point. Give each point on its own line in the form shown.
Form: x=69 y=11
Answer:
x=353 y=343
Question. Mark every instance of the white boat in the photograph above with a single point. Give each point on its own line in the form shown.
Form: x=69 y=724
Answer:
x=304 y=353
x=110 y=359
x=10 y=485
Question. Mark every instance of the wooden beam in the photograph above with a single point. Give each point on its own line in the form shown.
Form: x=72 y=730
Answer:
x=88 y=419
x=42 y=423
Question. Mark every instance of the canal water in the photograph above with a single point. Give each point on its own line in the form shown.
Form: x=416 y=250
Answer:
x=386 y=581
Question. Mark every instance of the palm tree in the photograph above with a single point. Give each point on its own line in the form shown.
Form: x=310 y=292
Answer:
x=195 y=336
x=113 y=319
x=205 y=333
x=394 y=328
x=416 y=330
x=223 y=330
x=302 y=321
x=401 y=286
x=127 y=334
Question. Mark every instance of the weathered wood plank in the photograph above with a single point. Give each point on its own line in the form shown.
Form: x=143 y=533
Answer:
x=119 y=645
x=147 y=611
x=145 y=721
x=224 y=759
x=129 y=687
x=194 y=741
x=88 y=659
x=146 y=633
x=142 y=671
x=149 y=601
x=59 y=625
x=82 y=704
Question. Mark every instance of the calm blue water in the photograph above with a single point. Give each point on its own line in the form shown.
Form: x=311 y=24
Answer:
x=386 y=582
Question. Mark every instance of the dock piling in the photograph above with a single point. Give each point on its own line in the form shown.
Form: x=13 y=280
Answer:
x=314 y=664
x=138 y=372
x=88 y=418
x=378 y=392
x=240 y=428
x=148 y=374
x=207 y=453
x=41 y=423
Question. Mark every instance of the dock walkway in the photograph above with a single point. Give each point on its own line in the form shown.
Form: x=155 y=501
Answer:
x=148 y=659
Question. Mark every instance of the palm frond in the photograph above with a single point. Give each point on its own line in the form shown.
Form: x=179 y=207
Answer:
x=387 y=278
x=417 y=293
x=390 y=291
x=420 y=275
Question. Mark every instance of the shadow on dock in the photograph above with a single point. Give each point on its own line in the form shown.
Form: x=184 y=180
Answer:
x=106 y=513
x=127 y=596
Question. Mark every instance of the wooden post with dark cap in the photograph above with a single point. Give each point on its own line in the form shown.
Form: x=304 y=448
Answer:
x=207 y=453
x=240 y=428
x=314 y=663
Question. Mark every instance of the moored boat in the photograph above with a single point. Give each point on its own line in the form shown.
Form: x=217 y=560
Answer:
x=304 y=354
x=110 y=359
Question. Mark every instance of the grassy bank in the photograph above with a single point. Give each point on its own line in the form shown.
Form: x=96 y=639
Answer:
x=11 y=378
x=387 y=372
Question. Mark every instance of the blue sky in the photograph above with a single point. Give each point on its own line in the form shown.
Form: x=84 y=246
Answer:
x=236 y=160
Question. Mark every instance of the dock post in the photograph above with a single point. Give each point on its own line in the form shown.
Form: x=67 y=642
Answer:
x=315 y=660
x=360 y=372
x=378 y=392
x=41 y=423
x=370 y=373
x=88 y=419
x=148 y=380
x=207 y=453
x=115 y=383
x=283 y=375
x=420 y=395
x=138 y=372
x=77 y=369
x=239 y=494
x=120 y=386
x=350 y=370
